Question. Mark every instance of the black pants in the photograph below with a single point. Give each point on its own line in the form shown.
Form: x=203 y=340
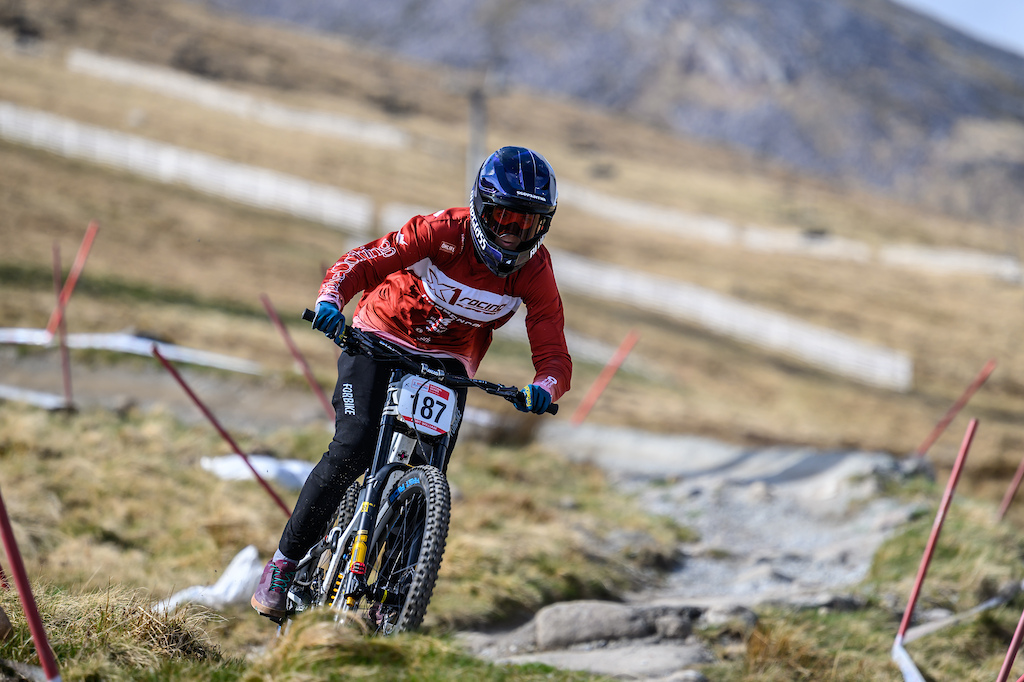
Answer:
x=358 y=401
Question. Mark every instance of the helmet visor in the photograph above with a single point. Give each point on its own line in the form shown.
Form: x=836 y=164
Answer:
x=502 y=221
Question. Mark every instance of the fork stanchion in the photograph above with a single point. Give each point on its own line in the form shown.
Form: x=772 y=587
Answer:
x=940 y=517
x=951 y=413
x=298 y=358
x=28 y=602
x=72 y=280
x=220 y=429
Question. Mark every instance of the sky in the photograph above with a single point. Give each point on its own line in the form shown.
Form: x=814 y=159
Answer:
x=999 y=22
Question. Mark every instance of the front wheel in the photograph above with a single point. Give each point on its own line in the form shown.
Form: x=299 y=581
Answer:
x=405 y=552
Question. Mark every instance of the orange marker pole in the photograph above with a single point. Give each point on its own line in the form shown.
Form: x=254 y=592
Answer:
x=922 y=449
x=62 y=328
x=1011 y=491
x=1011 y=653
x=605 y=377
x=299 y=358
x=940 y=518
x=28 y=602
x=220 y=429
x=76 y=271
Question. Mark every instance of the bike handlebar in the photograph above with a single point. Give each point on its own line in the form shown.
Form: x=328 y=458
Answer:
x=357 y=341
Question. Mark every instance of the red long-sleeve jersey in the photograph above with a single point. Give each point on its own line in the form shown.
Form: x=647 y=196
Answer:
x=424 y=287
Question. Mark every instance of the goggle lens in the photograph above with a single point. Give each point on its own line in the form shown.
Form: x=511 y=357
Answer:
x=526 y=226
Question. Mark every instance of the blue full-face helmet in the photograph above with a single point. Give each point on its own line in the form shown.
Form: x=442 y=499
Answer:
x=511 y=205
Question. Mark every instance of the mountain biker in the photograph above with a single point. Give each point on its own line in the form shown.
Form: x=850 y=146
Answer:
x=439 y=287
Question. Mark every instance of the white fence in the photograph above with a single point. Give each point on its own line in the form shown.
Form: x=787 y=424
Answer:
x=823 y=348
x=353 y=213
x=127 y=343
x=172 y=83
x=788 y=241
x=251 y=185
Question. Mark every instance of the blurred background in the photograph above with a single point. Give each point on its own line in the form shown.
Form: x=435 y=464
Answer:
x=809 y=212
x=810 y=216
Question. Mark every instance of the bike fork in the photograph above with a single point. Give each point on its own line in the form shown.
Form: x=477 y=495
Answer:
x=352 y=583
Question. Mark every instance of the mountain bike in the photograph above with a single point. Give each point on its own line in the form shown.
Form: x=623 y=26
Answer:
x=380 y=555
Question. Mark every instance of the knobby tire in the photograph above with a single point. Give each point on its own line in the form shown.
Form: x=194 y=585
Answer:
x=406 y=550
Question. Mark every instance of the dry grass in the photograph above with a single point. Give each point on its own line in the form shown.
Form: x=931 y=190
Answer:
x=110 y=633
x=224 y=256
x=99 y=499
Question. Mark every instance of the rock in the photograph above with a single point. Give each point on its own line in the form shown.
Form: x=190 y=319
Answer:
x=759 y=491
x=736 y=617
x=828 y=601
x=687 y=676
x=672 y=626
x=763 y=573
x=631 y=662
x=565 y=624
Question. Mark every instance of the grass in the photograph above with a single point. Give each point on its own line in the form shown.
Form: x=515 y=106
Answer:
x=113 y=635
x=113 y=506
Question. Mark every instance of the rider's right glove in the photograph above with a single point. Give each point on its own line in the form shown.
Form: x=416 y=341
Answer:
x=534 y=399
x=329 y=320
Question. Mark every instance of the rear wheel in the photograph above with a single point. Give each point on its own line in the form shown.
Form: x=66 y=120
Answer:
x=405 y=552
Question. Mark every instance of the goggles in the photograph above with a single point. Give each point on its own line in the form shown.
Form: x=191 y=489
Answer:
x=501 y=221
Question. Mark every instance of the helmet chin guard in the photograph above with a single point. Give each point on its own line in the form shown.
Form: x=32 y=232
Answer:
x=511 y=205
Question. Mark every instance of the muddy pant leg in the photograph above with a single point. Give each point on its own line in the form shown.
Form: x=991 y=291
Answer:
x=358 y=400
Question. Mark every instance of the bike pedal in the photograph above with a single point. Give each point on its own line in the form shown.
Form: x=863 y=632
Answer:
x=273 y=619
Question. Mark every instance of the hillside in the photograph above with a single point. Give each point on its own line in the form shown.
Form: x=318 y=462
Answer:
x=190 y=268
x=113 y=510
x=866 y=92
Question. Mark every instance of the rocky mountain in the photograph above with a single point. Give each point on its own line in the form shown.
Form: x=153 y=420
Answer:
x=860 y=91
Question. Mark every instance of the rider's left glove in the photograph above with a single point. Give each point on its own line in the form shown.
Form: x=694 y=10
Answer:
x=534 y=399
x=329 y=320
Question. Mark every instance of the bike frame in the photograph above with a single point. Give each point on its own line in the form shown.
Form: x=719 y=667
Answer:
x=368 y=510
x=371 y=503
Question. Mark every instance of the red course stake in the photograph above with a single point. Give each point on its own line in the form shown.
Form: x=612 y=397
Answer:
x=298 y=358
x=76 y=271
x=940 y=517
x=605 y=377
x=62 y=328
x=1011 y=491
x=28 y=602
x=922 y=449
x=1011 y=653
x=220 y=430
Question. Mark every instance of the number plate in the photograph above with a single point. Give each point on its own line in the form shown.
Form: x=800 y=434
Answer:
x=428 y=406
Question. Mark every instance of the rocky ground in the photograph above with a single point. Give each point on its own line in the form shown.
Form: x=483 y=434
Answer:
x=776 y=524
x=781 y=524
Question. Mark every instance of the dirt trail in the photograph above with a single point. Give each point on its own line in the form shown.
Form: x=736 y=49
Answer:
x=782 y=524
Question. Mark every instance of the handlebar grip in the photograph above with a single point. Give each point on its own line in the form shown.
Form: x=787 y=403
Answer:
x=552 y=408
x=308 y=315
